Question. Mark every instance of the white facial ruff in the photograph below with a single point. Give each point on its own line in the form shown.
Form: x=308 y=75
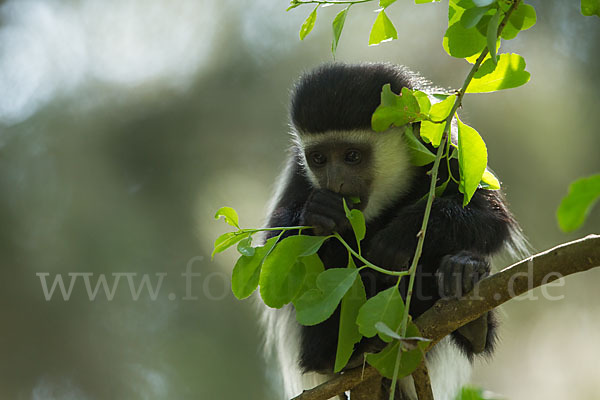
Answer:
x=392 y=170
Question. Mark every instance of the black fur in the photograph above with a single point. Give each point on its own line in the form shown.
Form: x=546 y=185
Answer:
x=343 y=97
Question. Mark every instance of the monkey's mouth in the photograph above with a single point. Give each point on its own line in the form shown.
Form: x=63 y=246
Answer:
x=356 y=202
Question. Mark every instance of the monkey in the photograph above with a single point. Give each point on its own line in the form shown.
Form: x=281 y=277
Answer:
x=335 y=156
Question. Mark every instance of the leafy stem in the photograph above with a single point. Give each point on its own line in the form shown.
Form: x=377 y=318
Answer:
x=365 y=261
x=434 y=172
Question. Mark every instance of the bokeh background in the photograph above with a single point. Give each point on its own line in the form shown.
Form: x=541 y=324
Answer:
x=125 y=124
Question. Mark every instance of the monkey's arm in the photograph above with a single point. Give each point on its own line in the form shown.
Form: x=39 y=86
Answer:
x=458 y=243
x=482 y=227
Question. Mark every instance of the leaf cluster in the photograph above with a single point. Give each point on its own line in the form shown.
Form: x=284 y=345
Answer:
x=288 y=270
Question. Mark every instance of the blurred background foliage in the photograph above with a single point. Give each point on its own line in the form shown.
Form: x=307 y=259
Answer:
x=125 y=124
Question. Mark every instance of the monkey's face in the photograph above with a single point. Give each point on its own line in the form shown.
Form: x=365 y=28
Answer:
x=373 y=166
x=342 y=167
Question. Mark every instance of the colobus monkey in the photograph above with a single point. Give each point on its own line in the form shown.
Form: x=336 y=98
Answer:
x=335 y=154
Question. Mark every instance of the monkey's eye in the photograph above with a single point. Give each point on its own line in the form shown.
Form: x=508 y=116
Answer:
x=352 y=157
x=318 y=158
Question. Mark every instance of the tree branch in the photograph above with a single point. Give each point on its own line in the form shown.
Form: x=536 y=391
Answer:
x=448 y=315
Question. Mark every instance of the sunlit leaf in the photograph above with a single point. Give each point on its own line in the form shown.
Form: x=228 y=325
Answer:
x=432 y=132
x=383 y=30
x=577 y=204
x=459 y=41
x=423 y=100
x=489 y=181
x=338 y=26
x=308 y=24
x=440 y=111
x=590 y=7
x=230 y=216
x=508 y=73
x=386 y=3
x=397 y=110
x=244 y=279
x=293 y=4
x=471 y=393
x=472 y=160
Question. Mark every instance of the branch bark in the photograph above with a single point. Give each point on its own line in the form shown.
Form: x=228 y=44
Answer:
x=448 y=315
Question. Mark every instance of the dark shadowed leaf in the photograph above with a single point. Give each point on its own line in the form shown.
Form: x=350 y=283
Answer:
x=348 y=331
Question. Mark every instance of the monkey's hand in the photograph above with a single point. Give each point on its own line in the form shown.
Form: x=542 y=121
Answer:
x=324 y=210
x=456 y=276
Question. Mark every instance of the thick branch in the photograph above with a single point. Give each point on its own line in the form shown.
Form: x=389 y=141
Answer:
x=448 y=315
x=339 y=384
x=569 y=258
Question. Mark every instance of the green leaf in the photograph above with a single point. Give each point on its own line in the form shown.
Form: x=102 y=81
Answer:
x=386 y=3
x=423 y=100
x=387 y=307
x=338 y=26
x=492 y=35
x=308 y=24
x=314 y=266
x=419 y=154
x=472 y=160
x=590 y=7
x=348 y=332
x=577 y=204
x=385 y=361
x=386 y=330
x=283 y=271
x=439 y=190
x=523 y=18
x=397 y=110
x=227 y=240
x=383 y=30
x=440 y=111
x=425 y=1
x=508 y=73
x=244 y=279
x=293 y=4
x=483 y=3
x=471 y=393
x=357 y=220
x=230 y=216
x=472 y=16
x=245 y=248
x=459 y=41
x=489 y=181
x=316 y=305
x=432 y=132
